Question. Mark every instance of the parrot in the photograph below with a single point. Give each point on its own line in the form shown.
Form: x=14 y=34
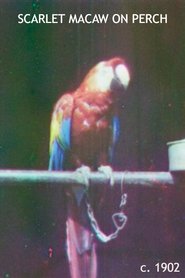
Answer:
x=85 y=128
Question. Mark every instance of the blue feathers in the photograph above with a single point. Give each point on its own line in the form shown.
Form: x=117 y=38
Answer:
x=116 y=129
x=115 y=135
x=65 y=134
x=56 y=157
x=60 y=146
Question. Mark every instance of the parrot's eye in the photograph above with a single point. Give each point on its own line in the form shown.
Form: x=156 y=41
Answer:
x=103 y=77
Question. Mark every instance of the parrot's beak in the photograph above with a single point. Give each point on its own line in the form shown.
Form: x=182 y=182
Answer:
x=123 y=75
x=121 y=78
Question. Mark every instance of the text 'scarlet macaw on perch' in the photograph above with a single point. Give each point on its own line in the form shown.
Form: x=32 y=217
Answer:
x=84 y=131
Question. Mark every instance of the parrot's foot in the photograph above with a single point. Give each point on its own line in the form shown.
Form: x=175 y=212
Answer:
x=108 y=172
x=85 y=172
x=79 y=192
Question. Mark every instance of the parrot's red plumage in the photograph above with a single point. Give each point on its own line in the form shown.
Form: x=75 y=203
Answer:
x=84 y=130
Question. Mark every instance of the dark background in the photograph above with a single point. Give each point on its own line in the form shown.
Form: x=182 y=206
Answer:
x=37 y=63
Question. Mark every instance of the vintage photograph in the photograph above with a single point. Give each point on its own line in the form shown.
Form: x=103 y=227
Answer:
x=92 y=138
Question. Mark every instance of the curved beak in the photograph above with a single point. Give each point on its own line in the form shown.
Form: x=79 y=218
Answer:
x=121 y=78
x=122 y=73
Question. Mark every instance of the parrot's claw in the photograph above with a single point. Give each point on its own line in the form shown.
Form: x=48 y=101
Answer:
x=108 y=172
x=80 y=191
x=84 y=171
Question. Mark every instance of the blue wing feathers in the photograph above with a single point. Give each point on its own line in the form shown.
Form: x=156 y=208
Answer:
x=116 y=129
x=57 y=157
x=65 y=131
x=115 y=135
x=60 y=146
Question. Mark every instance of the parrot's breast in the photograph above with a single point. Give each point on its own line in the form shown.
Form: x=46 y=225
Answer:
x=91 y=129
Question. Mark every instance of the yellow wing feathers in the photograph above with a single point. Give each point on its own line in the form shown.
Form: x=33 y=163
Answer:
x=55 y=127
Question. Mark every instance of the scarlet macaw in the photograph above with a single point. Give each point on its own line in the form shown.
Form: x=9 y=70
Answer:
x=84 y=130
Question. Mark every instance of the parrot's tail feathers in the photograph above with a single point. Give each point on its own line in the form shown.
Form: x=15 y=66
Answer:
x=78 y=237
x=81 y=251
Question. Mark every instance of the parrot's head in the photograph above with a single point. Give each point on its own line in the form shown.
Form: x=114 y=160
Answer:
x=111 y=76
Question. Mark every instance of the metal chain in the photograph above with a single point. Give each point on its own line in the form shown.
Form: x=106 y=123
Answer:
x=119 y=219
